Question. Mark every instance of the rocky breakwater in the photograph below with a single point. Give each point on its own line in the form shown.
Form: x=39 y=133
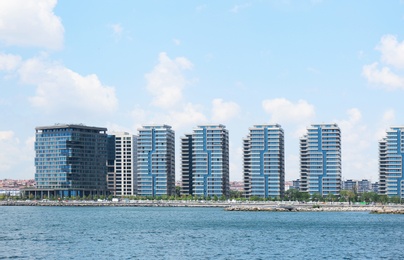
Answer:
x=388 y=210
x=260 y=208
x=304 y=208
x=131 y=203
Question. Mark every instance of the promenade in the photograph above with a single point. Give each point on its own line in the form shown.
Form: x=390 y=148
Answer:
x=226 y=205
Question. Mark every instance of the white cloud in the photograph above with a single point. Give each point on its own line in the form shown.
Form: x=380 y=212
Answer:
x=59 y=89
x=201 y=8
x=236 y=167
x=316 y=2
x=9 y=62
x=388 y=119
x=384 y=77
x=117 y=30
x=389 y=115
x=166 y=81
x=347 y=126
x=392 y=51
x=292 y=165
x=183 y=118
x=223 y=111
x=115 y=128
x=177 y=42
x=392 y=55
x=283 y=111
x=190 y=116
x=6 y=135
x=358 y=159
x=237 y=8
x=30 y=23
x=139 y=116
x=16 y=157
x=313 y=70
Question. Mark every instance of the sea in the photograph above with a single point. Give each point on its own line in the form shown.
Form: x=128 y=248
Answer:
x=195 y=233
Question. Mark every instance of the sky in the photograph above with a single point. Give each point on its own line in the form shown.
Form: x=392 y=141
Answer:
x=123 y=64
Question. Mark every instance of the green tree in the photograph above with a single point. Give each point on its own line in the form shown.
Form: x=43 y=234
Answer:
x=235 y=194
x=177 y=191
x=348 y=195
x=295 y=194
x=255 y=198
x=369 y=197
x=383 y=199
x=395 y=199
x=331 y=197
x=316 y=197
x=305 y=196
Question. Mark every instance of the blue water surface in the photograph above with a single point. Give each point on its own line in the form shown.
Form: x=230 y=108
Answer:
x=196 y=233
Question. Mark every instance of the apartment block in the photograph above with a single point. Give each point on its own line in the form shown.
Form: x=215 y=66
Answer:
x=156 y=160
x=391 y=151
x=122 y=164
x=320 y=160
x=264 y=161
x=205 y=161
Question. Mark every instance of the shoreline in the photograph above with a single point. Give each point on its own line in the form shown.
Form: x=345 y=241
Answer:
x=226 y=205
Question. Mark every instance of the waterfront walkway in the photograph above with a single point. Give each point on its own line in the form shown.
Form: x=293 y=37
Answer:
x=227 y=205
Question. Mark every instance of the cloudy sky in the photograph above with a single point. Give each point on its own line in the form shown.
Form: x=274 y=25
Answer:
x=121 y=64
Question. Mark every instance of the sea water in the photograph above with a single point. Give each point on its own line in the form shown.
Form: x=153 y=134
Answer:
x=196 y=233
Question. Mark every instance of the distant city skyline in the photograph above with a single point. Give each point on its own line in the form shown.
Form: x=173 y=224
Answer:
x=127 y=64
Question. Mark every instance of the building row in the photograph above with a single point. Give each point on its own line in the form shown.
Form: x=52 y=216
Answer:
x=79 y=160
x=357 y=186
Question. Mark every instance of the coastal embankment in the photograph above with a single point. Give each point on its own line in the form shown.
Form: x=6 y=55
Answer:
x=226 y=205
x=396 y=209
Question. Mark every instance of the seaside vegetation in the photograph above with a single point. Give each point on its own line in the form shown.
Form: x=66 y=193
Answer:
x=290 y=195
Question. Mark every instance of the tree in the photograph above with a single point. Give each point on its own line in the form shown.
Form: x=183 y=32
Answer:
x=383 y=199
x=177 y=191
x=235 y=194
x=331 y=197
x=305 y=196
x=370 y=197
x=395 y=199
x=295 y=194
x=316 y=197
x=348 y=195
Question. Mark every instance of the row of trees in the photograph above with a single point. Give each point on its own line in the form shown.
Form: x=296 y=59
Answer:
x=345 y=196
x=290 y=195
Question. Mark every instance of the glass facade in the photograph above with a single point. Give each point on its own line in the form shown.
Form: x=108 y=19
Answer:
x=264 y=161
x=71 y=160
x=391 y=151
x=205 y=161
x=320 y=160
x=156 y=160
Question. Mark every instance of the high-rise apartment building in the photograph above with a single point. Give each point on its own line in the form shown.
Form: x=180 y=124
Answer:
x=382 y=188
x=359 y=186
x=264 y=161
x=205 y=161
x=121 y=163
x=187 y=176
x=391 y=151
x=320 y=160
x=70 y=160
x=156 y=160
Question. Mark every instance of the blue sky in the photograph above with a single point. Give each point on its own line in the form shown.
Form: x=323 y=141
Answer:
x=122 y=64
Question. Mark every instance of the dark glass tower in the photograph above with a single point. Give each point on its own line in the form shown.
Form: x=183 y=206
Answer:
x=71 y=160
